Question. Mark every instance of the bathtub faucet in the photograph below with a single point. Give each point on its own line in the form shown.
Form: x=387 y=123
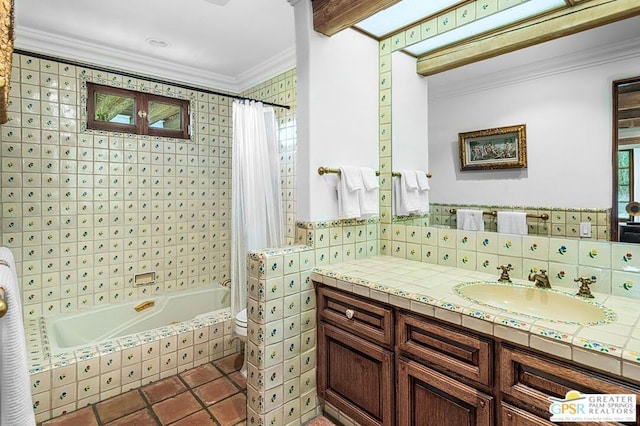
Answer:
x=145 y=305
x=226 y=283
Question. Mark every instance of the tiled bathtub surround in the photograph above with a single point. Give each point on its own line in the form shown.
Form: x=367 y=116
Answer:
x=84 y=211
x=562 y=222
x=66 y=382
x=616 y=266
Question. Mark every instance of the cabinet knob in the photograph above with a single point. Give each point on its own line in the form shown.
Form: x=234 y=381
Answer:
x=482 y=403
x=349 y=313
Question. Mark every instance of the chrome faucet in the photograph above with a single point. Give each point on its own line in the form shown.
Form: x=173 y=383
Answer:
x=541 y=279
x=585 y=290
x=504 y=275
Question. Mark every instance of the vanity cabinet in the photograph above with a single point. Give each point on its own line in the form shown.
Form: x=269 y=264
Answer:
x=528 y=379
x=382 y=365
x=355 y=357
x=428 y=398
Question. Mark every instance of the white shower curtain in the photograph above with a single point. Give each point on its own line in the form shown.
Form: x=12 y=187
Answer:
x=256 y=200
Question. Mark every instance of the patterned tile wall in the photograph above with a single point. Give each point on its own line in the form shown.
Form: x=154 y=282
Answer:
x=562 y=222
x=615 y=266
x=282 y=90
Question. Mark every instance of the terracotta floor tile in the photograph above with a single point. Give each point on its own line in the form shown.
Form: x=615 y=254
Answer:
x=200 y=375
x=320 y=421
x=201 y=418
x=139 y=418
x=215 y=391
x=176 y=408
x=119 y=406
x=231 y=410
x=81 y=417
x=240 y=380
x=163 y=389
x=230 y=363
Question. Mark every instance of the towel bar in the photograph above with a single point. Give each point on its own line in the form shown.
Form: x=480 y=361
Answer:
x=542 y=216
x=4 y=307
x=3 y=302
x=324 y=170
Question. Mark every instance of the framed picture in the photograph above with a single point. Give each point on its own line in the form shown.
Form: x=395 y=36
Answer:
x=501 y=148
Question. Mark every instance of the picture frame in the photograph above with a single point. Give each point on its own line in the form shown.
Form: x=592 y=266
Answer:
x=499 y=148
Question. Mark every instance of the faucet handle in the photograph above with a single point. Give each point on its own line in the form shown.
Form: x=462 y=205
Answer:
x=504 y=275
x=585 y=290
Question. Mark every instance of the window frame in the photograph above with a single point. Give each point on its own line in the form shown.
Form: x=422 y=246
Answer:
x=141 y=108
x=630 y=184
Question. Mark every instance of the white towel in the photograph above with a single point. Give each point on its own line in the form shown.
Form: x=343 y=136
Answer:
x=423 y=181
x=470 y=220
x=368 y=197
x=409 y=195
x=16 y=405
x=423 y=191
x=348 y=199
x=512 y=223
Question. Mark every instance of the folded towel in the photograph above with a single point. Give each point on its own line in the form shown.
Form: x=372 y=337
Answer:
x=16 y=405
x=470 y=220
x=368 y=197
x=348 y=200
x=352 y=177
x=512 y=223
x=409 y=196
x=423 y=181
x=369 y=178
x=423 y=191
x=410 y=179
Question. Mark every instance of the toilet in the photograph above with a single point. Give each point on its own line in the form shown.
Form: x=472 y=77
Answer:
x=240 y=330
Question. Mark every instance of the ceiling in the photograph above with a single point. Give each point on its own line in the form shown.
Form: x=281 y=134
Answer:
x=229 y=44
x=228 y=47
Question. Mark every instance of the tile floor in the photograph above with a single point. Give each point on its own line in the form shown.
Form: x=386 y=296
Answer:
x=213 y=394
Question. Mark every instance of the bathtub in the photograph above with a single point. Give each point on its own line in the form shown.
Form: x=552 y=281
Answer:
x=88 y=356
x=66 y=332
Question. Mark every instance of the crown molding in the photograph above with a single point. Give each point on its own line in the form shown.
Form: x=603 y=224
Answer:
x=283 y=62
x=440 y=86
x=80 y=50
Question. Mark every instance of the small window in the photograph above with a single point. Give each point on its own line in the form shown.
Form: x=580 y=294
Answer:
x=120 y=110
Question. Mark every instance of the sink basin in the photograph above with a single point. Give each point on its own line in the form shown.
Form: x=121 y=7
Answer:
x=546 y=304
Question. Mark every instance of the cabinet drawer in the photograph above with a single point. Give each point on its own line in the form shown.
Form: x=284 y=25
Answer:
x=512 y=416
x=528 y=380
x=459 y=352
x=363 y=318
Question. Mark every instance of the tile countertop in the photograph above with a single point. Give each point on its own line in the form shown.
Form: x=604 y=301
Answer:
x=429 y=289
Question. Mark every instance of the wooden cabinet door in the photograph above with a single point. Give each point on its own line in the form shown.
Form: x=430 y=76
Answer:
x=355 y=376
x=512 y=416
x=428 y=398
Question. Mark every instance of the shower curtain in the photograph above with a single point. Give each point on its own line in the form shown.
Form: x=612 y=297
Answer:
x=256 y=200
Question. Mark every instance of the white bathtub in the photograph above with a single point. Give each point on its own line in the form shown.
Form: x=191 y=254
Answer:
x=67 y=332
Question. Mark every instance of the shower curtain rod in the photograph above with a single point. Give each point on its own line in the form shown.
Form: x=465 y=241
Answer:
x=132 y=75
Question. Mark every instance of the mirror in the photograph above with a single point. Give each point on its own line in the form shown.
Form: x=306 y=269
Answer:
x=561 y=90
x=408 y=119
x=625 y=217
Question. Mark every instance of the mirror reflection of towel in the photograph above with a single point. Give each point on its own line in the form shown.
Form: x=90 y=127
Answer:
x=369 y=196
x=512 y=223
x=470 y=220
